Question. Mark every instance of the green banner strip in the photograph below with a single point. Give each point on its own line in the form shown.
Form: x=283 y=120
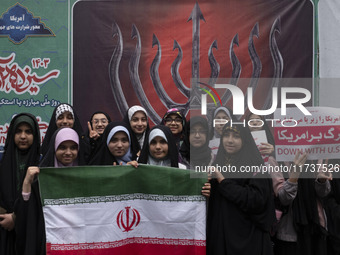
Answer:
x=89 y=181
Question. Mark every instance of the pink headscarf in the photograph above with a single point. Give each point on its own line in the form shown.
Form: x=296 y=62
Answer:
x=65 y=134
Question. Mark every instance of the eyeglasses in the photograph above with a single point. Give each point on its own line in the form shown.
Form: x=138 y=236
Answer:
x=96 y=121
x=170 y=120
x=199 y=132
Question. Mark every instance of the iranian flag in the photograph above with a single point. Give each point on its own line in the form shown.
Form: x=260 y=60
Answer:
x=123 y=210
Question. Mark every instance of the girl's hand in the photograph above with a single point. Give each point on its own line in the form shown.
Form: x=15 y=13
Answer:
x=7 y=221
x=299 y=161
x=324 y=173
x=133 y=163
x=266 y=148
x=206 y=189
x=32 y=171
x=216 y=174
x=92 y=133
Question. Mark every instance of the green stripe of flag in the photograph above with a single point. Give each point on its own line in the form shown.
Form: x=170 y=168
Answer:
x=89 y=181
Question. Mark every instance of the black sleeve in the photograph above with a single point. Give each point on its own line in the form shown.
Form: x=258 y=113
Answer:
x=255 y=197
x=29 y=224
x=250 y=197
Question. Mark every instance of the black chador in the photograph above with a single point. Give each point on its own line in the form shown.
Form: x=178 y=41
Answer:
x=241 y=210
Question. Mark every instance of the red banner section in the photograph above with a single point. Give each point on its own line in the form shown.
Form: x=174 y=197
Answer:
x=141 y=246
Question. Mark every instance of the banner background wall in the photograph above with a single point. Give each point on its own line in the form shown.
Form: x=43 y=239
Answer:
x=83 y=45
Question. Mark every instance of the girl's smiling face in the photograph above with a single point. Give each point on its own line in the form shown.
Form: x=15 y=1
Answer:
x=232 y=142
x=67 y=152
x=138 y=122
x=65 y=120
x=158 y=147
x=99 y=123
x=175 y=123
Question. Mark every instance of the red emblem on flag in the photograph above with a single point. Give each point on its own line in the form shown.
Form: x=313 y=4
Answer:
x=128 y=218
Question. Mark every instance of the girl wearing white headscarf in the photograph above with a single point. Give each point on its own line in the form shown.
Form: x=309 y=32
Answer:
x=170 y=159
x=109 y=154
x=137 y=120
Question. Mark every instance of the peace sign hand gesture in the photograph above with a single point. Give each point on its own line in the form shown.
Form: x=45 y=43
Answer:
x=92 y=133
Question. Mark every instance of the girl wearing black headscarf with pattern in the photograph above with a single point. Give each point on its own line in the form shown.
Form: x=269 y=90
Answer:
x=65 y=116
x=241 y=206
x=22 y=149
x=175 y=120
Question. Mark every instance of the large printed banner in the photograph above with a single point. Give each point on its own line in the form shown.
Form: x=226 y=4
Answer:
x=123 y=210
x=109 y=55
x=317 y=134
x=147 y=52
x=34 y=60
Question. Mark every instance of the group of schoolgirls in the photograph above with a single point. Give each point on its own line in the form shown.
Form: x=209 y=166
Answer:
x=241 y=212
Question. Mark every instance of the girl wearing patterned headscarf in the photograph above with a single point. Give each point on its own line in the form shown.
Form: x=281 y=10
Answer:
x=240 y=210
x=22 y=149
x=117 y=148
x=64 y=116
x=175 y=120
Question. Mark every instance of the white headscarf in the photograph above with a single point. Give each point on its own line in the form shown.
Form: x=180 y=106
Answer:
x=151 y=160
x=134 y=109
x=131 y=112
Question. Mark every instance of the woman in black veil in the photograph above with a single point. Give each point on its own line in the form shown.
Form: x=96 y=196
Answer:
x=241 y=206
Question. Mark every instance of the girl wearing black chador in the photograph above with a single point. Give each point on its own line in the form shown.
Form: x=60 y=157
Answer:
x=241 y=206
x=22 y=149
